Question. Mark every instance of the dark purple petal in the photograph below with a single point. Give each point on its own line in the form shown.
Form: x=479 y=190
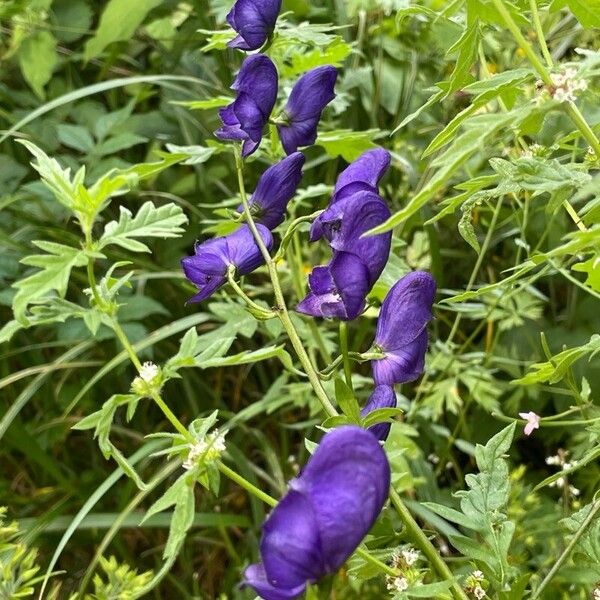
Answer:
x=382 y=397
x=254 y=20
x=291 y=544
x=245 y=118
x=347 y=482
x=405 y=311
x=243 y=250
x=309 y=96
x=338 y=289
x=403 y=364
x=207 y=269
x=344 y=223
x=367 y=169
x=276 y=187
x=256 y=577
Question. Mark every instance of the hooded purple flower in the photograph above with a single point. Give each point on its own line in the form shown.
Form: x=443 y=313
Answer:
x=309 y=96
x=338 y=289
x=325 y=514
x=245 y=118
x=383 y=396
x=361 y=175
x=276 y=187
x=401 y=329
x=254 y=21
x=207 y=269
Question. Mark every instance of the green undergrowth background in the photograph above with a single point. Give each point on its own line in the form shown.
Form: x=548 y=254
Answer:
x=483 y=162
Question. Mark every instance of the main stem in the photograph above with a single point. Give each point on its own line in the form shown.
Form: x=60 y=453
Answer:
x=346 y=357
x=426 y=547
x=282 y=311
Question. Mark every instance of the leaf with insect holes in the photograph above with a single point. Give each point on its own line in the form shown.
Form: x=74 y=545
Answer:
x=163 y=222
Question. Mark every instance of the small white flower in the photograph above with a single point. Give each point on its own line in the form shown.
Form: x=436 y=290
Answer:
x=596 y=594
x=478 y=575
x=574 y=491
x=434 y=459
x=479 y=592
x=397 y=584
x=410 y=556
x=566 y=85
x=553 y=460
x=559 y=483
x=148 y=371
x=208 y=449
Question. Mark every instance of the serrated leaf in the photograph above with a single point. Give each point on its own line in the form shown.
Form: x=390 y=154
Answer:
x=196 y=155
x=149 y=221
x=55 y=270
x=347 y=143
x=333 y=54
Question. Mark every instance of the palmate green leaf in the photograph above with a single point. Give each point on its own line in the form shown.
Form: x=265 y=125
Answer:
x=163 y=222
x=592 y=269
x=195 y=155
x=334 y=54
x=347 y=143
x=119 y=21
x=55 y=270
x=58 y=180
x=483 y=506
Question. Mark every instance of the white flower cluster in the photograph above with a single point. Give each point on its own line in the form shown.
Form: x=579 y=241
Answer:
x=397 y=584
x=210 y=448
x=566 y=85
x=560 y=460
x=596 y=593
x=148 y=378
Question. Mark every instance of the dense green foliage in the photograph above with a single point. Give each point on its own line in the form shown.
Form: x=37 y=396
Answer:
x=494 y=188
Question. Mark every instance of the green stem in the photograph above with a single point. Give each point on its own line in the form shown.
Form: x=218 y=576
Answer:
x=537 y=23
x=240 y=292
x=116 y=326
x=566 y=552
x=425 y=546
x=177 y=424
x=283 y=314
x=543 y=72
x=346 y=358
x=368 y=557
x=245 y=484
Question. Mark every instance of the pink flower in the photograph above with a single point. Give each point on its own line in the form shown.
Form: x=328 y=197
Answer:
x=533 y=421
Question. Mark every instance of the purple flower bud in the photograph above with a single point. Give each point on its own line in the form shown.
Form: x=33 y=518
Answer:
x=361 y=175
x=383 y=396
x=276 y=187
x=338 y=289
x=325 y=514
x=245 y=118
x=401 y=329
x=207 y=269
x=309 y=96
x=254 y=20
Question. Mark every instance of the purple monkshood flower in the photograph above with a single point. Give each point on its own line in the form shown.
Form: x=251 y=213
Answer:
x=383 y=396
x=309 y=96
x=338 y=289
x=245 y=118
x=361 y=175
x=326 y=512
x=401 y=329
x=276 y=187
x=254 y=21
x=207 y=269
